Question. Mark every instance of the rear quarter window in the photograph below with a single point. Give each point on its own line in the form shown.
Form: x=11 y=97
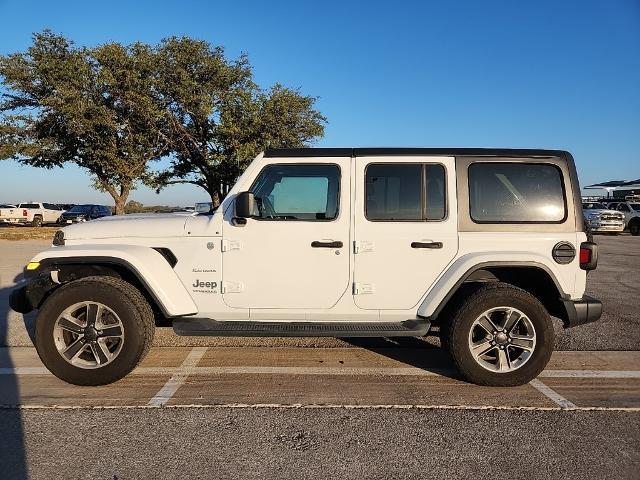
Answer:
x=504 y=192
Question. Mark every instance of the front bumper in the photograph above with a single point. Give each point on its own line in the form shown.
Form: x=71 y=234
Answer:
x=585 y=310
x=28 y=295
x=605 y=227
x=70 y=220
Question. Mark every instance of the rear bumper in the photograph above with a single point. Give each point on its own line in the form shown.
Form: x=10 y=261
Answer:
x=585 y=310
x=14 y=220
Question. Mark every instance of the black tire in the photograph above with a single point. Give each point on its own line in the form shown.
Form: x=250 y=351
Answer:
x=124 y=300
x=37 y=221
x=483 y=299
x=634 y=227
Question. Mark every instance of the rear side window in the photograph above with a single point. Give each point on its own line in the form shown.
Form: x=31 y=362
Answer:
x=516 y=193
x=298 y=192
x=405 y=192
x=29 y=205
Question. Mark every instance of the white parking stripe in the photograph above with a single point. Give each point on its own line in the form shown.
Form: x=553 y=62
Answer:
x=301 y=406
x=391 y=371
x=178 y=378
x=552 y=394
x=590 y=374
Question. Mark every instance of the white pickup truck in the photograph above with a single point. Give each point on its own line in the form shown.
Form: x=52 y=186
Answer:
x=35 y=214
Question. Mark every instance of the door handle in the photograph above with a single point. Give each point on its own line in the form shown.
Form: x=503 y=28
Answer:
x=318 y=244
x=426 y=244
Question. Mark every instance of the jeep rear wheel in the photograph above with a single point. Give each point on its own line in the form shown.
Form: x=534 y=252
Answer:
x=500 y=336
x=94 y=331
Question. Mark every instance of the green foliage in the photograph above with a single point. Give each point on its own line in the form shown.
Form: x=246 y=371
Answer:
x=114 y=109
x=220 y=119
x=134 y=207
x=93 y=107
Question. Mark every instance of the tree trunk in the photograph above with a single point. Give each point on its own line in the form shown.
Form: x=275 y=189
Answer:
x=215 y=198
x=120 y=199
x=120 y=203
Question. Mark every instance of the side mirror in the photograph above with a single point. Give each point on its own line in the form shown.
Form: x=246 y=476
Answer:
x=245 y=205
x=203 y=208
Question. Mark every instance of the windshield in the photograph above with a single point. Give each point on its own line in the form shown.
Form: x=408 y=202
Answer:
x=593 y=206
x=80 y=209
x=635 y=206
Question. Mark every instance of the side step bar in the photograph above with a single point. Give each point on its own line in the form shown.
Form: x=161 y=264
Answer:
x=213 y=328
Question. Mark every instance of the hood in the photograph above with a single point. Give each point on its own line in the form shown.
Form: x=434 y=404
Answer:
x=75 y=214
x=598 y=211
x=120 y=226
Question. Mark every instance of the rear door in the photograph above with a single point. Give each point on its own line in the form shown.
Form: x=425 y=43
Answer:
x=405 y=228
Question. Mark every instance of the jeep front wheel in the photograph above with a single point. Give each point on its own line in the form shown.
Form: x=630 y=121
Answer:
x=501 y=336
x=94 y=331
x=634 y=228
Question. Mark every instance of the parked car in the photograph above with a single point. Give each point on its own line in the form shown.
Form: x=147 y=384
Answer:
x=602 y=220
x=6 y=212
x=35 y=214
x=84 y=213
x=631 y=213
x=485 y=244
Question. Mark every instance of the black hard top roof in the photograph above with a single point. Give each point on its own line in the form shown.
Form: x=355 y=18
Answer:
x=370 y=152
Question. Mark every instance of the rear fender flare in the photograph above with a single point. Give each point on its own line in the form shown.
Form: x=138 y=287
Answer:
x=463 y=268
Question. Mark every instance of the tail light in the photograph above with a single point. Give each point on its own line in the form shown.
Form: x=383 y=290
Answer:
x=588 y=255
x=25 y=213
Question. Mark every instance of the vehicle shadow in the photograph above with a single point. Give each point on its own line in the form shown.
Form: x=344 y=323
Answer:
x=12 y=442
x=418 y=352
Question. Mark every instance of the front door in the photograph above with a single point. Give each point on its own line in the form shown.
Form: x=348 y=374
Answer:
x=295 y=254
x=405 y=228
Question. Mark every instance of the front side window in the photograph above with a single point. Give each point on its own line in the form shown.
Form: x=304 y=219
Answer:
x=297 y=192
x=516 y=193
x=404 y=192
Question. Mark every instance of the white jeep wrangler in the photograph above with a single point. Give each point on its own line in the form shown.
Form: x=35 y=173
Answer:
x=486 y=245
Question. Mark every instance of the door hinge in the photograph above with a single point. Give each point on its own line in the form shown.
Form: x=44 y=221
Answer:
x=230 y=245
x=360 y=288
x=361 y=246
x=232 y=287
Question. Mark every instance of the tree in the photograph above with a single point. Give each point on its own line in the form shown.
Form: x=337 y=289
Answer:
x=220 y=119
x=94 y=107
x=134 y=207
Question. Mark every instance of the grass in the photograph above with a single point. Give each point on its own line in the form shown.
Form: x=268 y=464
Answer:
x=9 y=232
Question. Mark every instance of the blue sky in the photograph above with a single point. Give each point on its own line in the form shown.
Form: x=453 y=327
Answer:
x=549 y=74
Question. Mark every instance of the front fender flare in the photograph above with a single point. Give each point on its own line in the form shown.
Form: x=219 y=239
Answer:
x=146 y=264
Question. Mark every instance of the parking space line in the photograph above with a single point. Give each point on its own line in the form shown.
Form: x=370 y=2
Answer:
x=178 y=378
x=551 y=394
x=284 y=406
x=391 y=371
